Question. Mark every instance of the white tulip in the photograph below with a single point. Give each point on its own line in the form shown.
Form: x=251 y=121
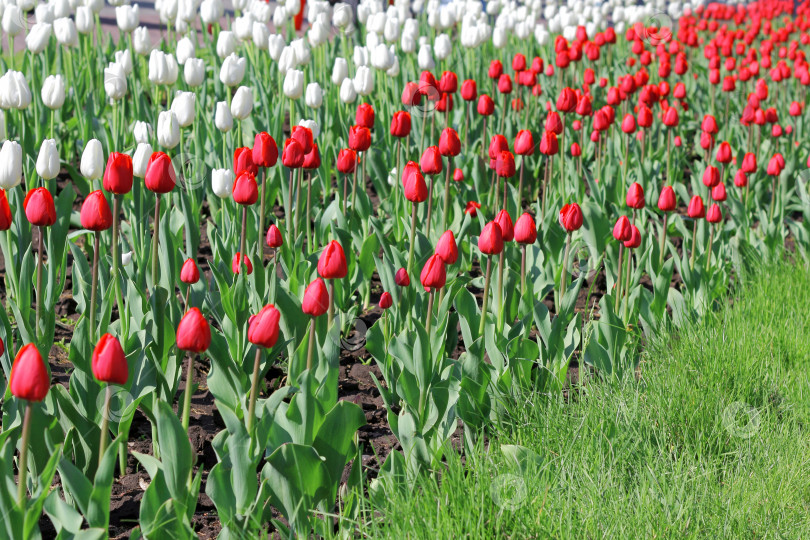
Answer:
x=53 y=91
x=292 y=7
x=286 y=61
x=140 y=41
x=61 y=8
x=499 y=37
x=115 y=81
x=260 y=35
x=279 y=17
x=126 y=257
x=187 y=10
x=10 y=165
x=168 y=129
x=211 y=11
x=425 y=58
x=93 y=5
x=312 y=125
x=14 y=91
x=194 y=72
x=340 y=70
x=275 y=45
x=261 y=12
x=407 y=43
x=360 y=56
x=347 y=91
x=341 y=15
x=393 y=71
x=294 y=84
x=442 y=46
x=141 y=159
x=92 y=163
x=243 y=27
x=127 y=17
x=376 y=22
x=391 y=31
x=43 y=13
x=318 y=34
x=142 y=132
x=302 y=51
x=124 y=59
x=48 y=160
x=65 y=31
x=12 y=20
x=38 y=37
x=381 y=57
x=242 y=103
x=222 y=182
x=183 y=106
x=185 y=50
x=372 y=40
x=162 y=68
x=223 y=119
x=314 y=95
x=233 y=70
x=226 y=44
x=364 y=81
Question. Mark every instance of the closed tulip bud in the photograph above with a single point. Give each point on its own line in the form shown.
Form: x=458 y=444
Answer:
x=95 y=214
x=265 y=151
x=706 y=140
x=314 y=95
x=622 y=231
x=347 y=92
x=115 y=81
x=38 y=37
x=431 y=161
x=635 y=238
x=194 y=72
x=223 y=118
x=505 y=164
x=504 y=221
x=446 y=248
x=127 y=17
x=570 y=217
x=242 y=103
x=14 y=91
x=183 y=108
x=10 y=165
x=226 y=44
x=5 y=215
x=232 y=71
x=39 y=207
x=490 y=242
x=671 y=117
x=245 y=190
x=696 y=209
x=294 y=84
x=293 y=154
x=346 y=161
x=548 y=144
x=434 y=274
x=222 y=182
x=719 y=192
x=340 y=71
x=469 y=90
x=48 y=160
x=364 y=115
x=237 y=263
x=567 y=100
x=193 y=332
x=92 y=162
x=486 y=107
x=274 y=238
x=740 y=179
x=140 y=40
x=628 y=124
x=189 y=273
x=263 y=327
x=313 y=159
x=160 y=175
x=243 y=161
x=723 y=153
x=524 y=143
x=359 y=138
x=53 y=92
x=401 y=124
x=645 y=118
x=635 y=196
x=711 y=176
x=29 y=378
x=168 y=129
x=413 y=183
x=386 y=301
x=140 y=161
x=64 y=29
x=332 y=262
x=714 y=215
x=774 y=167
x=449 y=143
x=504 y=84
x=666 y=200
x=108 y=362
x=162 y=68
x=401 y=278
x=316 y=299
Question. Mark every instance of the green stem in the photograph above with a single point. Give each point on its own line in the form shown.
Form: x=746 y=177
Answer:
x=619 y=278
x=447 y=193
x=411 y=243
x=155 y=235
x=430 y=310
x=22 y=464
x=105 y=424
x=311 y=344
x=254 y=390
x=487 y=277
x=663 y=240
x=499 y=292
x=331 y=313
x=187 y=395
x=709 y=250
x=694 y=246
x=40 y=262
x=260 y=243
x=93 y=287
x=564 y=277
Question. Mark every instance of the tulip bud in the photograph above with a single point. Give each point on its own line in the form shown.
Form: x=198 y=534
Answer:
x=95 y=213
x=666 y=200
x=622 y=231
x=183 y=108
x=696 y=209
x=525 y=230
x=386 y=301
x=193 y=332
x=274 y=238
x=160 y=175
x=316 y=299
x=140 y=41
x=109 y=364
x=223 y=118
x=222 y=182
x=431 y=161
x=226 y=44
x=340 y=71
x=38 y=37
x=714 y=215
x=490 y=242
x=64 y=29
x=189 y=273
x=48 y=160
x=635 y=196
x=5 y=219
x=446 y=248
x=346 y=161
x=245 y=189
x=504 y=221
x=168 y=129
x=242 y=103
x=347 y=92
x=29 y=378
x=570 y=217
x=314 y=95
x=711 y=176
x=359 y=138
x=332 y=262
x=233 y=70
x=140 y=161
x=39 y=207
x=401 y=278
x=635 y=238
x=53 y=92
x=263 y=327
x=434 y=274
x=194 y=72
x=294 y=84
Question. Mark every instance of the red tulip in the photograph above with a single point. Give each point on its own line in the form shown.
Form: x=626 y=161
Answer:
x=236 y=266
x=497 y=144
x=645 y=117
x=635 y=196
x=431 y=162
x=413 y=183
x=525 y=230
x=709 y=124
x=401 y=124
x=524 y=143
x=292 y=156
x=359 y=138
x=774 y=169
x=504 y=84
x=495 y=69
x=696 y=209
x=5 y=212
x=548 y=144
x=723 y=154
x=469 y=90
x=434 y=274
x=160 y=176
x=312 y=160
x=449 y=143
x=472 y=208
x=95 y=214
x=446 y=248
x=576 y=150
x=29 y=378
x=189 y=273
x=666 y=200
x=714 y=215
x=448 y=83
x=504 y=221
x=490 y=242
x=505 y=164
x=245 y=189
x=332 y=263
x=622 y=230
x=274 y=238
x=458 y=175
x=671 y=117
x=265 y=150
x=263 y=327
x=118 y=174
x=109 y=363
x=386 y=301
x=711 y=176
x=346 y=161
x=411 y=96
x=39 y=208
x=193 y=332
x=570 y=217
x=740 y=179
x=553 y=122
x=567 y=100
x=402 y=278
x=364 y=115
x=719 y=192
x=243 y=161
x=316 y=298
x=635 y=238
x=485 y=105
x=304 y=137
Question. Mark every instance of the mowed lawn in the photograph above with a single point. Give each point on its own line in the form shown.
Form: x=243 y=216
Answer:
x=712 y=441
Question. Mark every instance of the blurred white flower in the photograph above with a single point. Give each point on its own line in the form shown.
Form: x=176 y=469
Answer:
x=242 y=103
x=48 y=160
x=92 y=162
x=168 y=130
x=53 y=91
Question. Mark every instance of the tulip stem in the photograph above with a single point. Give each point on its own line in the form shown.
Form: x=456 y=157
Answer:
x=188 y=293
x=260 y=245
x=311 y=345
x=354 y=181
x=523 y=269
x=663 y=240
x=669 y=155
x=564 y=276
x=298 y=201
x=116 y=262
x=447 y=193
x=307 y=214
x=155 y=236
x=429 y=310
x=187 y=395
x=694 y=246
x=288 y=207
x=773 y=199
x=487 y=277
x=40 y=258
x=483 y=140
x=709 y=250
x=345 y=191
x=254 y=390
x=331 y=315
x=105 y=424
x=22 y=463
x=93 y=287
x=619 y=277
x=627 y=283
x=413 y=236
x=499 y=292
x=242 y=241
x=520 y=186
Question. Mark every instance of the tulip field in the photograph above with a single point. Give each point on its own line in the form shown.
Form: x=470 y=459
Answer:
x=263 y=263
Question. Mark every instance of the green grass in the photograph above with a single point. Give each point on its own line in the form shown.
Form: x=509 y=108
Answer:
x=711 y=441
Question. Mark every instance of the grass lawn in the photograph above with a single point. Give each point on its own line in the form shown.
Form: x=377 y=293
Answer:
x=711 y=441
